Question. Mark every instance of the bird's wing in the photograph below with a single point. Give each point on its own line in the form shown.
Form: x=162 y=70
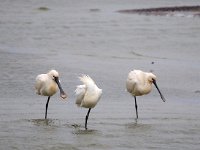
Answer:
x=80 y=93
x=87 y=80
x=131 y=81
x=40 y=80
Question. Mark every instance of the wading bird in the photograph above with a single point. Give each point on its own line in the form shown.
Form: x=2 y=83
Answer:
x=47 y=85
x=139 y=83
x=87 y=94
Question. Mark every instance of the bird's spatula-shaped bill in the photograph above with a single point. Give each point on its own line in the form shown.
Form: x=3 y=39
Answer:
x=161 y=95
x=62 y=93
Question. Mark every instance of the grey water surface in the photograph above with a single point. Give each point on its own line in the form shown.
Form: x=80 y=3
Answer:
x=92 y=37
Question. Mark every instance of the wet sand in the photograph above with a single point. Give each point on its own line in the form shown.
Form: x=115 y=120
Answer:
x=91 y=37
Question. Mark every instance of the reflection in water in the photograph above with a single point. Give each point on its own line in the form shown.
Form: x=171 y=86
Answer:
x=83 y=131
x=45 y=122
x=138 y=126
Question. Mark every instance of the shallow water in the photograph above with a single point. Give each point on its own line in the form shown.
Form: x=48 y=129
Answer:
x=91 y=37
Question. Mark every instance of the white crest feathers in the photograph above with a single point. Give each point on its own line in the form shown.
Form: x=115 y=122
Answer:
x=86 y=80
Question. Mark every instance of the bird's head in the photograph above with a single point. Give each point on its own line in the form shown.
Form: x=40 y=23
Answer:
x=53 y=74
x=151 y=77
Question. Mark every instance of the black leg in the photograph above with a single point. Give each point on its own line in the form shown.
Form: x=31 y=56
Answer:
x=136 y=107
x=47 y=107
x=86 y=118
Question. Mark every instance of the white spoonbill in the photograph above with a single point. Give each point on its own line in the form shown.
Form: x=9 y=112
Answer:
x=47 y=85
x=139 y=83
x=87 y=94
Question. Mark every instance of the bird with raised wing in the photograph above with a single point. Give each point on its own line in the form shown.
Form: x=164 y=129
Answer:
x=87 y=94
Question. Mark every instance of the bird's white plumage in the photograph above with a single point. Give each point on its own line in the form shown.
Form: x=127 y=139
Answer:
x=87 y=94
x=53 y=73
x=139 y=83
x=45 y=85
x=80 y=92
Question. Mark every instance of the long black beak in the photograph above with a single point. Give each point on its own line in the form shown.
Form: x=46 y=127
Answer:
x=162 y=97
x=62 y=93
